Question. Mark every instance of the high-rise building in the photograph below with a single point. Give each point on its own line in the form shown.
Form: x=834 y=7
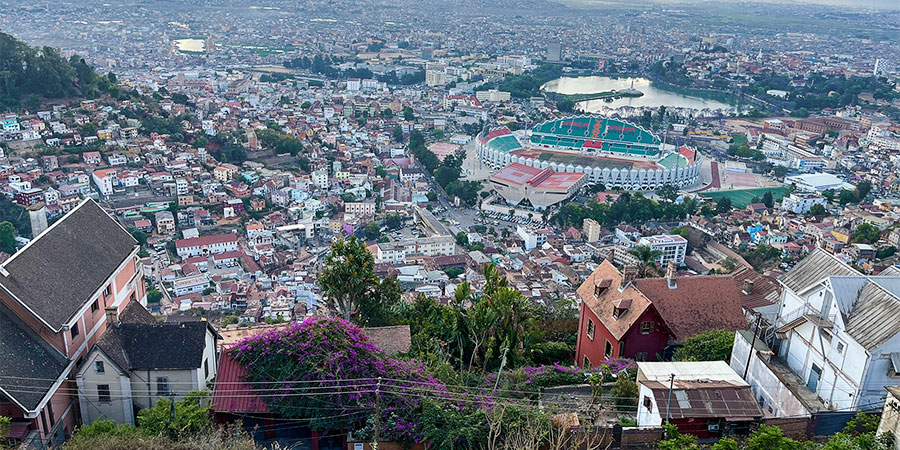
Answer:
x=554 y=51
x=882 y=67
x=591 y=230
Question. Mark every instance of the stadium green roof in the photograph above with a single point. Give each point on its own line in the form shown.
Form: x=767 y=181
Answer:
x=604 y=134
x=505 y=143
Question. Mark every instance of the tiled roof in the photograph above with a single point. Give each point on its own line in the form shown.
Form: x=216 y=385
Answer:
x=59 y=271
x=28 y=365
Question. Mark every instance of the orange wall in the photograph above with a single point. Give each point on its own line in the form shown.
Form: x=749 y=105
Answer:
x=125 y=275
x=36 y=325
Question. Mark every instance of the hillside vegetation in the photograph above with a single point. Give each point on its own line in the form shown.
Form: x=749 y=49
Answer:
x=29 y=75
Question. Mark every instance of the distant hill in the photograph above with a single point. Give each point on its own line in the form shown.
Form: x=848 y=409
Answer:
x=29 y=75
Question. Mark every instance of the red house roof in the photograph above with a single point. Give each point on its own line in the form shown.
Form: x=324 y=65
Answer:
x=231 y=394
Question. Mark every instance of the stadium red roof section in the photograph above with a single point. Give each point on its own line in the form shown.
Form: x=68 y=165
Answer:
x=206 y=240
x=521 y=174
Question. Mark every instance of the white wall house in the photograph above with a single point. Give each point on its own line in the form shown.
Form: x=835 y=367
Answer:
x=836 y=340
x=132 y=366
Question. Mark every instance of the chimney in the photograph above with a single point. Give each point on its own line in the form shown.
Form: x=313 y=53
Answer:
x=112 y=315
x=748 y=287
x=671 y=269
x=629 y=274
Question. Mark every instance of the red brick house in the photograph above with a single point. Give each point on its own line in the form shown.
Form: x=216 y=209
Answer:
x=623 y=316
x=55 y=294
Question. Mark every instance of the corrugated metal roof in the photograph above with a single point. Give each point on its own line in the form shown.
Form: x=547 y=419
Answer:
x=231 y=394
x=875 y=317
x=815 y=267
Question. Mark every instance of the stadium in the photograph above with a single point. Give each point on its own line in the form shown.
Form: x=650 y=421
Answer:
x=611 y=152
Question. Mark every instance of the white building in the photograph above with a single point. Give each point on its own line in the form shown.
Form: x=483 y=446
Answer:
x=190 y=284
x=133 y=365
x=836 y=340
x=817 y=182
x=672 y=246
x=532 y=238
x=801 y=203
x=397 y=251
x=104 y=179
x=206 y=245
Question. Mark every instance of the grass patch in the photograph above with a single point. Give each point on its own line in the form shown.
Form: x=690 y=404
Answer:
x=739 y=139
x=740 y=198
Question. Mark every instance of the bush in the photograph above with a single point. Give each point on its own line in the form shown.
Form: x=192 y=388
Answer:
x=624 y=393
x=191 y=417
x=121 y=437
x=713 y=345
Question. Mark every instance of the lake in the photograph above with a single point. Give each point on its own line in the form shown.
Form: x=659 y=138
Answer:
x=190 y=45
x=653 y=97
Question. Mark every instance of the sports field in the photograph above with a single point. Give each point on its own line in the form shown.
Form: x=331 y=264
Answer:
x=740 y=198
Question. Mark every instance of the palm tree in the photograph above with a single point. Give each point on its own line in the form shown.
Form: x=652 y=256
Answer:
x=647 y=260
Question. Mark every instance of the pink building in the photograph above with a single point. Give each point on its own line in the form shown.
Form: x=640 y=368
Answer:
x=55 y=294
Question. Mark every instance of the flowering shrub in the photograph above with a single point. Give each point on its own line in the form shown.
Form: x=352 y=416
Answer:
x=326 y=370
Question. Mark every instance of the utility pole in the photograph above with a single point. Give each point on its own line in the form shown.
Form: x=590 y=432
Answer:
x=377 y=414
x=669 y=401
x=502 y=362
x=752 y=343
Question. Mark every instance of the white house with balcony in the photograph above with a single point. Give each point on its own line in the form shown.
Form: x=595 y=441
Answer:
x=835 y=343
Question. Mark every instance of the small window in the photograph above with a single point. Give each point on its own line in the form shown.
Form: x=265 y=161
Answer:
x=608 y=351
x=95 y=306
x=74 y=331
x=647 y=327
x=826 y=336
x=640 y=356
x=840 y=347
x=108 y=290
x=99 y=367
x=648 y=404
x=103 y=393
x=162 y=385
x=206 y=369
x=586 y=363
x=590 y=329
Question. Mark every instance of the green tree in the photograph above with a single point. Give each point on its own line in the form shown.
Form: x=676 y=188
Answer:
x=713 y=345
x=866 y=233
x=372 y=231
x=647 y=258
x=667 y=192
x=408 y=113
x=379 y=309
x=768 y=199
x=138 y=235
x=7 y=237
x=817 y=210
x=397 y=134
x=462 y=239
x=154 y=296
x=348 y=276
x=723 y=205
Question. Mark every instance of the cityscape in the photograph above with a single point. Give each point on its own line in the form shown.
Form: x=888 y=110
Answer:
x=335 y=225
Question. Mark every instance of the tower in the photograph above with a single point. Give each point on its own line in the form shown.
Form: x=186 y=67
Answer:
x=37 y=214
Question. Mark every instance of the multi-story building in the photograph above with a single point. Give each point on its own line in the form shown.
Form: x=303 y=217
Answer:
x=122 y=373
x=801 y=203
x=165 y=222
x=591 y=230
x=104 y=179
x=835 y=343
x=360 y=209
x=206 y=245
x=54 y=296
x=396 y=252
x=672 y=246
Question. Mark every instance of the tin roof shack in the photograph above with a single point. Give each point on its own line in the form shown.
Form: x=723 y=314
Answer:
x=708 y=399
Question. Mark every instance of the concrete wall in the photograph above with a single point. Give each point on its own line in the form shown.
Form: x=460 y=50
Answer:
x=773 y=395
x=119 y=408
